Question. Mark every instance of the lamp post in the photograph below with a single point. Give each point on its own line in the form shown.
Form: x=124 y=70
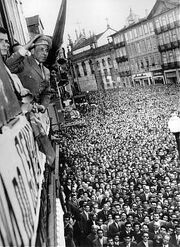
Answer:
x=174 y=126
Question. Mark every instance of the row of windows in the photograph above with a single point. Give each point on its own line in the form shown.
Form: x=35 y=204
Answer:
x=119 y=38
x=145 y=63
x=124 y=67
x=171 y=56
x=169 y=36
x=121 y=52
x=84 y=66
x=140 y=30
x=167 y=18
x=142 y=46
x=141 y=64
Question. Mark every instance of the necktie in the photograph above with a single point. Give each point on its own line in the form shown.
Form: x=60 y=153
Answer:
x=42 y=70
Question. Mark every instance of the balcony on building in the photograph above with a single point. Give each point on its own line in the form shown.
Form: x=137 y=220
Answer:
x=175 y=44
x=168 y=46
x=127 y=72
x=122 y=59
x=157 y=30
x=177 y=23
x=164 y=28
x=119 y=45
x=167 y=66
x=171 y=25
x=161 y=48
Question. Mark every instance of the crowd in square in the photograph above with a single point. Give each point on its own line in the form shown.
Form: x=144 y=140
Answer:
x=120 y=173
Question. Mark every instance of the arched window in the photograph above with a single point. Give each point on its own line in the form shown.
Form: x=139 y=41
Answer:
x=109 y=61
x=91 y=66
x=77 y=70
x=84 y=68
x=103 y=62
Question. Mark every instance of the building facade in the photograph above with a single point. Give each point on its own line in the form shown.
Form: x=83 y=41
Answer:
x=144 y=52
x=147 y=50
x=92 y=62
x=166 y=19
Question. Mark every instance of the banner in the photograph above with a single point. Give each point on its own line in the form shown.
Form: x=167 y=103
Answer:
x=21 y=175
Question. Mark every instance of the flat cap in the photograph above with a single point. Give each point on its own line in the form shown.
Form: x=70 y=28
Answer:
x=43 y=40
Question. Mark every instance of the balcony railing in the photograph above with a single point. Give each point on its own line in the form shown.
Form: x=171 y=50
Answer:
x=157 y=30
x=121 y=59
x=161 y=48
x=175 y=44
x=121 y=44
x=172 y=65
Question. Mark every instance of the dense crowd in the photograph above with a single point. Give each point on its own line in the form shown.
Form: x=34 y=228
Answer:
x=120 y=172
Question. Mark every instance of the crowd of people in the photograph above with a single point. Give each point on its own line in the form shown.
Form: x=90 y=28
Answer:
x=120 y=173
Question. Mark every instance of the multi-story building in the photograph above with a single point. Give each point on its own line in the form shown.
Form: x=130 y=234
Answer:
x=137 y=53
x=147 y=50
x=166 y=19
x=92 y=61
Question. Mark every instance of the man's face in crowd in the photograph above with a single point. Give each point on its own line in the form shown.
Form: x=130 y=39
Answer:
x=117 y=218
x=4 y=44
x=40 y=53
x=145 y=237
x=166 y=239
x=127 y=240
x=100 y=234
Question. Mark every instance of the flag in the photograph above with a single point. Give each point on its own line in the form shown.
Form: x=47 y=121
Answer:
x=57 y=38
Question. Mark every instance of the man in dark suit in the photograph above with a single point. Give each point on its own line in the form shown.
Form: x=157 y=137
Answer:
x=145 y=241
x=145 y=195
x=126 y=231
x=114 y=228
x=128 y=242
x=175 y=237
x=100 y=241
x=84 y=222
x=103 y=214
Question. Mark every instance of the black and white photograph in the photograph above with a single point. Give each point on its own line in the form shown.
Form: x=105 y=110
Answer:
x=90 y=123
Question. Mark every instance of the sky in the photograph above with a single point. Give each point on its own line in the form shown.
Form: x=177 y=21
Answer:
x=90 y=15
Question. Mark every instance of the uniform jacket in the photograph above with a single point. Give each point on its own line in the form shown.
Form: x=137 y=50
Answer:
x=32 y=77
